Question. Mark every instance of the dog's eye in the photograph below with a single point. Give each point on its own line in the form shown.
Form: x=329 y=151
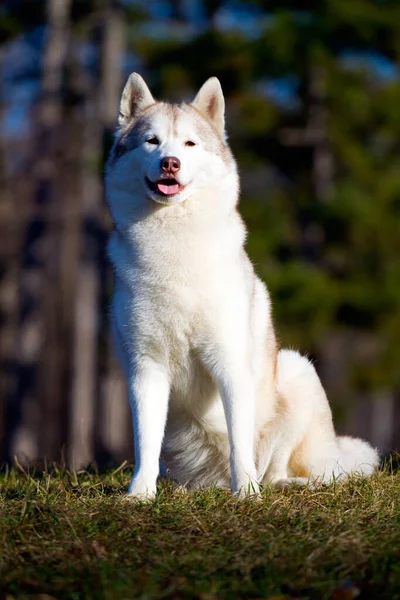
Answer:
x=189 y=143
x=154 y=140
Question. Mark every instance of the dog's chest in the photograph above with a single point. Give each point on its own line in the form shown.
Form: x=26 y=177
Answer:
x=174 y=316
x=178 y=291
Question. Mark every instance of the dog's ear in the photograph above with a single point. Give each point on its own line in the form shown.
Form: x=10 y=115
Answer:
x=210 y=102
x=135 y=98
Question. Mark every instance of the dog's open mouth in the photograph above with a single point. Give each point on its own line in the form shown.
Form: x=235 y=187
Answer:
x=165 y=187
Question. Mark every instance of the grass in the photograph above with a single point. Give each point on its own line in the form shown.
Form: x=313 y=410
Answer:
x=72 y=536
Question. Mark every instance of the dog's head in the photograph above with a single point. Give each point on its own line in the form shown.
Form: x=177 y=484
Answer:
x=166 y=153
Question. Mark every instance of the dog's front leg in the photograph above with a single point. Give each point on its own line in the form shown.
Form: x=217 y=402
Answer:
x=148 y=394
x=237 y=391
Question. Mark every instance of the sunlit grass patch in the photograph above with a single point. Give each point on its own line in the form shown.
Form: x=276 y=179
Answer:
x=72 y=536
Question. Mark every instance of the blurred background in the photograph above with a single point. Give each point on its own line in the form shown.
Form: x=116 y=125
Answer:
x=313 y=115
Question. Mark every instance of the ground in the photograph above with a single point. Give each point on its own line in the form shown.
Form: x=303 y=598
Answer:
x=73 y=536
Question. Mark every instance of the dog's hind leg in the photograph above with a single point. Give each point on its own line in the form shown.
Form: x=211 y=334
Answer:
x=296 y=380
x=278 y=472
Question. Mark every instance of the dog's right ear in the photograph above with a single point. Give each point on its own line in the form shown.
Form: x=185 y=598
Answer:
x=210 y=102
x=135 y=98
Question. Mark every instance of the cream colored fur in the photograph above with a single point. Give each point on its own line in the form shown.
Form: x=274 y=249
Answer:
x=192 y=324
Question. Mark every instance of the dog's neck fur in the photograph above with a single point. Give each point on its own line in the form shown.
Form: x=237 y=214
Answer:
x=202 y=227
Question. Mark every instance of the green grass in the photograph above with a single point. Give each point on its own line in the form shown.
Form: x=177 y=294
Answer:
x=73 y=536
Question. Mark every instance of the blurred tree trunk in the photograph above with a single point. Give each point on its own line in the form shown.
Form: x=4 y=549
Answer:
x=383 y=423
x=114 y=441
x=10 y=219
x=90 y=401
x=52 y=195
x=315 y=134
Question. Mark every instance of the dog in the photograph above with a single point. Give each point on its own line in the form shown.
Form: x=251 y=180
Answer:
x=211 y=394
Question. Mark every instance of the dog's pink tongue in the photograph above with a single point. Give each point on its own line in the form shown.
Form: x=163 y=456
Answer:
x=168 y=190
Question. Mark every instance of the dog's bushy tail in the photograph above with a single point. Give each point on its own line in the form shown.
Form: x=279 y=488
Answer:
x=356 y=456
x=319 y=452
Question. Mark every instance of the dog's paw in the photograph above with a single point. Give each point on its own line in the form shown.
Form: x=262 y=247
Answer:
x=140 y=491
x=142 y=497
x=288 y=482
x=250 y=490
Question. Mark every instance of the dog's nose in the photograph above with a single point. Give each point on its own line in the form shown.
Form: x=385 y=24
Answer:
x=170 y=164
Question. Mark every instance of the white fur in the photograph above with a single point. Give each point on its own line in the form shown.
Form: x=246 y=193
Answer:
x=192 y=322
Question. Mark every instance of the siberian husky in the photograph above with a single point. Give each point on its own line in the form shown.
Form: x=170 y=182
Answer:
x=211 y=394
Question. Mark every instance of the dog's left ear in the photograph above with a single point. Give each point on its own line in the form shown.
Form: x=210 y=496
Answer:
x=210 y=102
